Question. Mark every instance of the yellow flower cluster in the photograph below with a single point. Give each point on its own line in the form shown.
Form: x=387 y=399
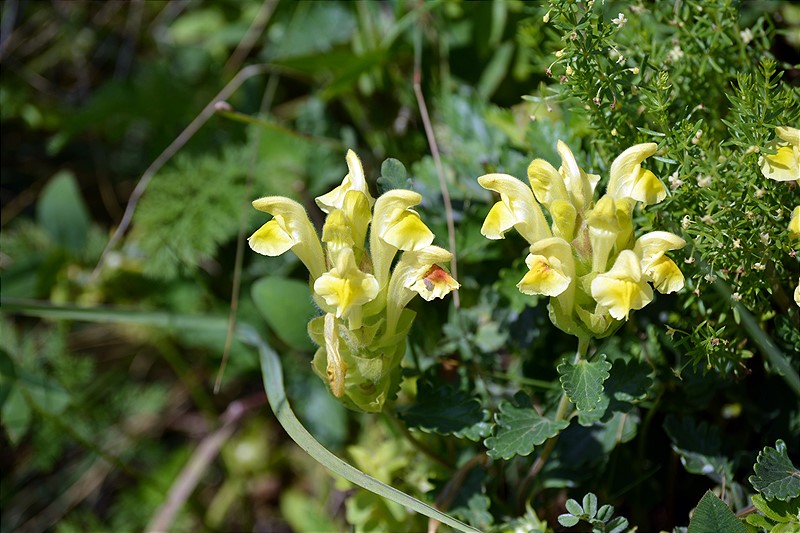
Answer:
x=587 y=260
x=362 y=335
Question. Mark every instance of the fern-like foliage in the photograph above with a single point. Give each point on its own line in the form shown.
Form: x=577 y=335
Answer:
x=190 y=209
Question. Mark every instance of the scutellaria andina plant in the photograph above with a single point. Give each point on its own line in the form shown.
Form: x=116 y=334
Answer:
x=362 y=333
x=587 y=260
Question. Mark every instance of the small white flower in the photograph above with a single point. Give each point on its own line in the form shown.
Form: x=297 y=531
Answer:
x=635 y=70
x=707 y=220
x=620 y=59
x=760 y=192
x=674 y=180
x=759 y=266
x=703 y=181
x=686 y=221
x=620 y=20
x=569 y=70
x=765 y=238
x=689 y=260
x=737 y=243
x=746 y=35
x=736 y=297
x=675 y=54
x=711 y=278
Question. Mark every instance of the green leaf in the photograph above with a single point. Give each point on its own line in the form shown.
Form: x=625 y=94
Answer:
x=567 y=520
x=775 y=475
x=287 y=307
x=447 y=411
x=777 y=510
x=16 y=415
x=590 y=504
x=519 y=429
x=699 y=447
x=713 y=516
x=393 y=176
x=583 y=381
x=62 y=212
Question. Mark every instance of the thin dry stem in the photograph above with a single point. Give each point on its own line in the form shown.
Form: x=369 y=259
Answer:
x=426 y=122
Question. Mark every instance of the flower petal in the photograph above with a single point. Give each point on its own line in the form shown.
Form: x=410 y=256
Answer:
x=396 y=226
x=542 y=277
x=603 y=229
x=547 y=184
x=345 y=287
x=436 y=283
x=291 y=226
x=579 y=184
x=629 y=180
x=665 y=275
x=622 y=289
x=521 y=207
x=411 y=269
x=353 y=180
x=551 y=269
x=272 y=239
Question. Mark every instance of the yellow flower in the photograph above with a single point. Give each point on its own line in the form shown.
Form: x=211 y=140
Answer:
x=623 y=288
x=570 y=182
x=354 y=180
x=417 y=272
x=629 y=180
x=797 y=293
x=396 y=227
x=517 y=209
x=784 y=164
x=345 y=287
x=290 y=229
x=551 y=268
x=656 y=266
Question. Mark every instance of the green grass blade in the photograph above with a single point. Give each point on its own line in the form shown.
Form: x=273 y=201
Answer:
x=272 y=372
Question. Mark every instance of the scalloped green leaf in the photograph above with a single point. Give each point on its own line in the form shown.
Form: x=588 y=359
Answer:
x=775 y=475
x=447 y=411
x=520 y=428
x=713 y=516
x=583 y=381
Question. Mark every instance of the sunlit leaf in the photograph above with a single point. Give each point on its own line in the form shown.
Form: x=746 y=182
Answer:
x=713 y=516
x=583 y=381
x=519 y=429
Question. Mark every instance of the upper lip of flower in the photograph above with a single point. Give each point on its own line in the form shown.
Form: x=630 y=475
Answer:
x=784 y=165
x=290 y=229
x=517 y=208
